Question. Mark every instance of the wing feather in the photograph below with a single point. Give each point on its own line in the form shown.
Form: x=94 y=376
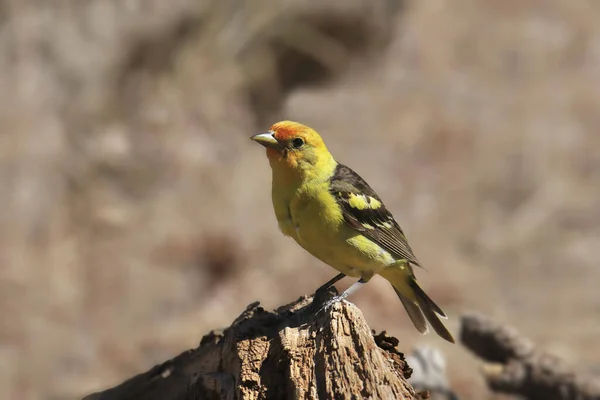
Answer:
x=364 y=211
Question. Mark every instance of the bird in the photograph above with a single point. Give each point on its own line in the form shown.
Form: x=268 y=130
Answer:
x=331 y=211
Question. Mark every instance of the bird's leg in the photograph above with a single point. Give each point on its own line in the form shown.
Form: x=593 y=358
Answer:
x=330 y=283
x=323 y=293
x=353 y=288
x=345 y=293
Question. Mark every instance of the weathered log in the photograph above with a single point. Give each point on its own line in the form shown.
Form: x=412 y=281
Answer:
x=295 y=352
x=515 y=366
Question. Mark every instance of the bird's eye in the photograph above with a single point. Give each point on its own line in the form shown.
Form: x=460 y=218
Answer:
x=297 y=143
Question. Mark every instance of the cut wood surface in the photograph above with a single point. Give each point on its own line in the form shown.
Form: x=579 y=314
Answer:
x=295 y=352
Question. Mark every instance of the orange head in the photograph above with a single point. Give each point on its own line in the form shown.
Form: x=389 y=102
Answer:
x=295 y=147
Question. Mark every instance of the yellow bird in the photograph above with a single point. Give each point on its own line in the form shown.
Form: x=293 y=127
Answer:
x=330 y=211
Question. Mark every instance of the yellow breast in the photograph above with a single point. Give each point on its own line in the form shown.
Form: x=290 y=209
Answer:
x=314 y=219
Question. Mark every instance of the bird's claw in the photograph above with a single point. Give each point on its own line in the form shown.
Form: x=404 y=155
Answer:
x=329 y=303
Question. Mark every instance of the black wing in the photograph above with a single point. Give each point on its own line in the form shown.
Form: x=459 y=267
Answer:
x=364 y=211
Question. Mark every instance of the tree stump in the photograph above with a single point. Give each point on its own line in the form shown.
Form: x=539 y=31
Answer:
x=295 y=352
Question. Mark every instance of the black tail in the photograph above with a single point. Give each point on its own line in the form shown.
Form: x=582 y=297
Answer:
x=414 y=312
x=431 y=311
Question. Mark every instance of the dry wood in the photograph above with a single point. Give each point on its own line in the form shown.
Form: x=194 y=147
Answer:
x=515 y=366
x=292 y=353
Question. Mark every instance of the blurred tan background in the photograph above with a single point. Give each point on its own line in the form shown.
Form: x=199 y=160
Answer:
x=136 y=216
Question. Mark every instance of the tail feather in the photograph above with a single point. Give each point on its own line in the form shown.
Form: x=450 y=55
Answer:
x=420 y=294
x=432 y=312
x=414 y=312
x=420 y=308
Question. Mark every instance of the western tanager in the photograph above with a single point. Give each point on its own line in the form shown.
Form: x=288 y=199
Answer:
x=334 y=214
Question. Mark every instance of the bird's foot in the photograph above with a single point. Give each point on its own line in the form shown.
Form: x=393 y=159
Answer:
x=323 y=295
x=329 y=303
x=342 y=296
x=328 y=287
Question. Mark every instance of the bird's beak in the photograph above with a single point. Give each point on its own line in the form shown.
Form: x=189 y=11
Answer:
x=266 y=139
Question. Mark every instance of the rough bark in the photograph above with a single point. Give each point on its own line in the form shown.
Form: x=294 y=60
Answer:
x=294 y=352
x=515 y=366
